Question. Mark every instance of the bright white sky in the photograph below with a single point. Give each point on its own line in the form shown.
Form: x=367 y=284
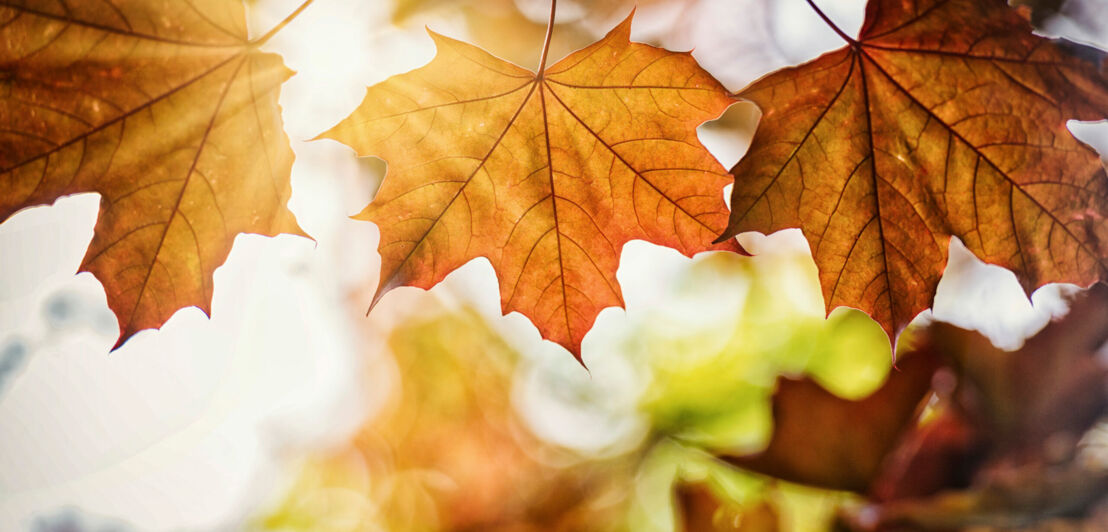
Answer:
x=190 y=427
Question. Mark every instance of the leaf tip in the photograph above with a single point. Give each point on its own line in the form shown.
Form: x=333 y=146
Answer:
x=383 y=287
x=438 y=38
x=729 y=234
x=623 y=29
x=380 y=293
x=327 y=133
x=292 y=227
x=733 y=245
x=581 y=360
x=574 y=348
x=119 y=342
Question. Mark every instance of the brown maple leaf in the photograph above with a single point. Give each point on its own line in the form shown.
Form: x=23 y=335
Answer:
x=962 y=434
x=170 y=113
x=1006 y=442
x=547 y=175
x=823 y=440
x=944 y=117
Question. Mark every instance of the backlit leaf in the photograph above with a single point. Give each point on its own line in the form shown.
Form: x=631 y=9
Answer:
x=165 y=109
x=545 y=175
x=944 y=118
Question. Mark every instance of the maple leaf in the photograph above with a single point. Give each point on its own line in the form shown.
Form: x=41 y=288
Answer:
x=1004 y=436
x=1009 y=434
x=824 y=440
x=1054 y=384
x=547 y=175
x=944 y=117
x=166 y=110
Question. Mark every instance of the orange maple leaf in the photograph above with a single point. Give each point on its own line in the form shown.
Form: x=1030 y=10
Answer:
x=944 y=117
x=170 y=113
x=547 y=175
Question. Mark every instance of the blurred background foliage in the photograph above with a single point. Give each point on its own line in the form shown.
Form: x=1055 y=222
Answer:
x=460 y=444
x=452 y=450
x=962 y=436
x=464 y=420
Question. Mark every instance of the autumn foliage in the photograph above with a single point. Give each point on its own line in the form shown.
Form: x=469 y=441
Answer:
x=547 y=175
x=943 y=118
x=170 y=113
x=940 y=119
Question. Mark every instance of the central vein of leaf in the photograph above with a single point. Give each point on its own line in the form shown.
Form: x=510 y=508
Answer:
x=554 y=202
x=184 y=187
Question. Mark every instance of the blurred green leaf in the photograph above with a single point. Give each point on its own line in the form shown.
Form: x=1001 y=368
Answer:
x=716 y=394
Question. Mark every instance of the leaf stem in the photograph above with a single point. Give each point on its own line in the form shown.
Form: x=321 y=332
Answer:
x=281 y=25
x=829 y=22
x=546 y=43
